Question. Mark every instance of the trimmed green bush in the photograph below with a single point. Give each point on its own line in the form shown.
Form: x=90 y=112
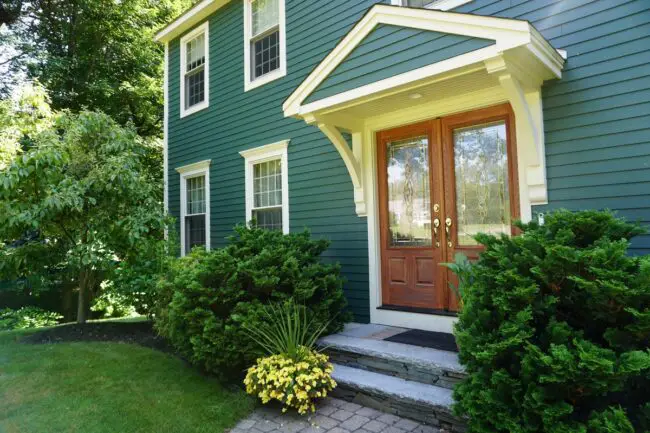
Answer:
x=27 y=317
x=206 y=298
x=555 y=330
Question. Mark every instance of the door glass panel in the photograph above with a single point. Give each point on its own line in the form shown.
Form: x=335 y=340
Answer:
x=409 y=197
x=482 y=196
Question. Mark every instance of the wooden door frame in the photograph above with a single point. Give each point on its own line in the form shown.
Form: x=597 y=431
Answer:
x=441 y=133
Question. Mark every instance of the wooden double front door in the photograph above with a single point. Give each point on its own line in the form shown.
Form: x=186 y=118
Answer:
x=441 y=182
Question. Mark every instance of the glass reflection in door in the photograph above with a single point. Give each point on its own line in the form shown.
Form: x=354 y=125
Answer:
x=482 y=193
x=409 y=196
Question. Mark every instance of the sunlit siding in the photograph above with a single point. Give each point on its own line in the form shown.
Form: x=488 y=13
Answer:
x=597 y=118
x=320 y=190
x=391 y=50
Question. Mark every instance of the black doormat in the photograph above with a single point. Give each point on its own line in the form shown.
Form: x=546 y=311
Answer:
x=433 y=340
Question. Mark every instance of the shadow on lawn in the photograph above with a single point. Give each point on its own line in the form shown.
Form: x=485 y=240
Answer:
x=140 y=332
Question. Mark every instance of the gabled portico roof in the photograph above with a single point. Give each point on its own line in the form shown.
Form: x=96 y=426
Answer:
x=517 y=40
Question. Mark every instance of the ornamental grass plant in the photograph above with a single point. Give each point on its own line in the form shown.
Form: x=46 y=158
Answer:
x=294 y=373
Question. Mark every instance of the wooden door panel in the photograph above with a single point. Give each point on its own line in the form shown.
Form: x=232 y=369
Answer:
x=408 y=187
x=458 y=205
x=424 y=271
x=397 y=270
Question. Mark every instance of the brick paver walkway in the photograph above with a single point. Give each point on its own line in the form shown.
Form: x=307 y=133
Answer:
x=332 y=416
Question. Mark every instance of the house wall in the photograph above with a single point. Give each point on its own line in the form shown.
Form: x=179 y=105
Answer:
x=320 y=190
x=597 y=119
x=391 y=50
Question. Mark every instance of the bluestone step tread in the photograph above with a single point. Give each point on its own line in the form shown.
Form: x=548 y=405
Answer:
x=423 y=357
x=377 y=383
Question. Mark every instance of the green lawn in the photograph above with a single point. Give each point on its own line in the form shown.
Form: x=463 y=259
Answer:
x=108 y=387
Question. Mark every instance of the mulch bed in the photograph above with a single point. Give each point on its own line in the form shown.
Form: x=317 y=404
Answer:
x=140 y=333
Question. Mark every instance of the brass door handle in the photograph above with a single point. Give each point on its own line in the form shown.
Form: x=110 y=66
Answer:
x=436 y=224
x=448 y=232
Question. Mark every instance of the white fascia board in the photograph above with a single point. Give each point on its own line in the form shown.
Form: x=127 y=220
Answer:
x=189 y=19
x=507 y=33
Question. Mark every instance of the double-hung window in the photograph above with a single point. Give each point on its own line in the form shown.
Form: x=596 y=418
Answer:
x=195 y=206
x=267 y=186
x=195 y=70
x=265 y=45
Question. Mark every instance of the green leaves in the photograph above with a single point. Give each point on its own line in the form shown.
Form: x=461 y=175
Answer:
x=211 y=302
x=559 y=318
x=82 y=191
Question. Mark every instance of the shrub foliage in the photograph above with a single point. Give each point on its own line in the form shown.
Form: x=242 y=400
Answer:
x=27 y=317
x=555 y=330
x=207 y=297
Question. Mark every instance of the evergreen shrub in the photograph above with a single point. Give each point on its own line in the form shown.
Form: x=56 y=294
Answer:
x=555 y=330
x=207 y=299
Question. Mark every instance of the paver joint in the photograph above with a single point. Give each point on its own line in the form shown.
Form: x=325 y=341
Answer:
x=332 y=416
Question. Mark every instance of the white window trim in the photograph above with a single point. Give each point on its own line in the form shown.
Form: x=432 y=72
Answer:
x=249 y=82
x=201 y=168
x=441 y=5
x=262 y=154
x=203 y=28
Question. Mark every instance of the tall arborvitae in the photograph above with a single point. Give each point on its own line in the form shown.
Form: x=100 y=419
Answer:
x=555 y=330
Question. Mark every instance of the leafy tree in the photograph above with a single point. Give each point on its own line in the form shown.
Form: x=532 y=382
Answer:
x=91 y=54
x=77 y=197
x=555 y=330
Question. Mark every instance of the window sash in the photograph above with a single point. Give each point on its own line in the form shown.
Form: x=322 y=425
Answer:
x=261 y=24
x=195 y=200
x=267 y=205
x=195 y=92
x=192 y=47
x=267 y=184
x=260 y=65
x=195 y=231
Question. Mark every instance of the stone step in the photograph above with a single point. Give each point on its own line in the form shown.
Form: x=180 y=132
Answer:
x=428 y=404
x=413 y=363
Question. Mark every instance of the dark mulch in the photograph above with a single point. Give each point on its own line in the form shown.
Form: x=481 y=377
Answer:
x=140 y=333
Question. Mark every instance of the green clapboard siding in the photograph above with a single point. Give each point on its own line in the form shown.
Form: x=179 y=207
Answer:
x=391 y=50
x=320 y=190
x=597 y=117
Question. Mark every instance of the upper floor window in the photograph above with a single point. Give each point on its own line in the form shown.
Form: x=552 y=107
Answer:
x=195 y=70
x=264 y=44
x=267 y=185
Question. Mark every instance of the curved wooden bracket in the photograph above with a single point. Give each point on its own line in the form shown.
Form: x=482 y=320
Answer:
x=352 y=162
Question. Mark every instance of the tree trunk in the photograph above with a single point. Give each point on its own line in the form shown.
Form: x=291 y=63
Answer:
x=82 y=309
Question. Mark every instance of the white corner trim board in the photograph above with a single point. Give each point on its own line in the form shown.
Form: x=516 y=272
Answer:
x=201 y=168
x=205 y=29
x=166 y=132
x=249 y=82
x=256 y=155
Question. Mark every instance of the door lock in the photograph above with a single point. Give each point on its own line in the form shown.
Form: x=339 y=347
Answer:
x=436 y=224
x=448 y=232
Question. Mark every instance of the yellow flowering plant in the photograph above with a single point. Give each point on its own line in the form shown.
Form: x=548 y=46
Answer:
x=293 y=373
x=295 y=384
